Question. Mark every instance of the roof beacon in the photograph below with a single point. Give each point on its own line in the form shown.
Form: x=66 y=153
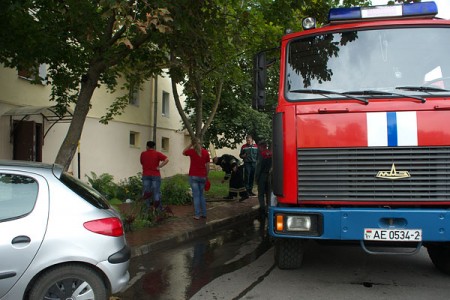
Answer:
x=426 y=9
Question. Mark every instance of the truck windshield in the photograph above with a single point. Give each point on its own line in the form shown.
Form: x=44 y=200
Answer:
x=393 y=61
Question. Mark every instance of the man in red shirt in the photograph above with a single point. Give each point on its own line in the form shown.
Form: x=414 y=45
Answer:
x=152 y=161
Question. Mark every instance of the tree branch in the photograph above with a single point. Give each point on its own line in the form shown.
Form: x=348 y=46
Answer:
x=214 y=109
x=183 y=116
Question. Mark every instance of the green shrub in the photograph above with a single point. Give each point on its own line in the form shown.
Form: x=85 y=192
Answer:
x=175 y=190
x=115 y=201
x=130 y=188
x=104 y=184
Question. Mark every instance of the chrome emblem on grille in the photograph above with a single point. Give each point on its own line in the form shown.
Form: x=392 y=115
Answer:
x=393 y=174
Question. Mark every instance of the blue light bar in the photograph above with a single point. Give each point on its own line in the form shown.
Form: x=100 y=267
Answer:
x=383 y=12
x=420 y=9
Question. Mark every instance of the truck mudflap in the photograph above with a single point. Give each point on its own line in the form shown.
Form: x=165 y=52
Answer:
x=361 y=224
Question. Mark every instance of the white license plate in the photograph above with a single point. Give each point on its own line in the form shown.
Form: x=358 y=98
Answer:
x=376 y=234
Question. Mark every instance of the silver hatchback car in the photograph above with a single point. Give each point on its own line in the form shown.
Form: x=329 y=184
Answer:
x=59 y=238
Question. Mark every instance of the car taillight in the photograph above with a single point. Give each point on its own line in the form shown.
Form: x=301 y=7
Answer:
x=108 y=226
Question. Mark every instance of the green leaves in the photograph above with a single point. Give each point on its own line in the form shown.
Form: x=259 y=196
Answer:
x=207 y=45
x=85 y=44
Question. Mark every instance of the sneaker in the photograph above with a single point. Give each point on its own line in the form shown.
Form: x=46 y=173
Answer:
x=228 y=198
x=196 y=218
x=251 y=194
x=243 y=198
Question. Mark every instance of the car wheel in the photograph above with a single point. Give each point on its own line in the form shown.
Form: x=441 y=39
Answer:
x=69 y=282
x=289 y=253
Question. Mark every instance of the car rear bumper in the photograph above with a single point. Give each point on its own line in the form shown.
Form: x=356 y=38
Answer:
x=116 y=269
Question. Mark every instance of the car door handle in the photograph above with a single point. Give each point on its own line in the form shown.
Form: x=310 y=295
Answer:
x=21 y=239
x=6 y=275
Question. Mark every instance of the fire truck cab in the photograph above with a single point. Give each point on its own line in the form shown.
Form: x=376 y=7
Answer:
x=361 y=134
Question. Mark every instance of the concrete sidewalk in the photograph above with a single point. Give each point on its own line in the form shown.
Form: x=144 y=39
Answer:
x=182 y=227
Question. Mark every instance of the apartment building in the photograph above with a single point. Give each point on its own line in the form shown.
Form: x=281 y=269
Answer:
x=30 y=130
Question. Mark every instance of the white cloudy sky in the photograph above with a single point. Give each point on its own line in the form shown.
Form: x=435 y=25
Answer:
x=443 y=6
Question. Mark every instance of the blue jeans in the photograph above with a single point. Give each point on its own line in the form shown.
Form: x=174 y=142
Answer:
x=198 y=186
x=152 y=184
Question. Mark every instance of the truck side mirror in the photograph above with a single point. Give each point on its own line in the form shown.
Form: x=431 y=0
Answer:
x=259 y=80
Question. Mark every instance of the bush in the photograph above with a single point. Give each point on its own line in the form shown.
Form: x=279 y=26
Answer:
x=104 y=184
x=130 y=188
x=175 y=190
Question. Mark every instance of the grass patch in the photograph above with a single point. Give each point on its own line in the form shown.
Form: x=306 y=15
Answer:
x=218 y=189
x=174 y=188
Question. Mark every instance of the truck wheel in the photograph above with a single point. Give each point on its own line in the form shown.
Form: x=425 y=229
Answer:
x=440 y=256
x=69 y=282
x=289 y=253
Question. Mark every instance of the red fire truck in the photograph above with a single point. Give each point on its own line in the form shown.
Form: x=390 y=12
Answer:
x=361 y=134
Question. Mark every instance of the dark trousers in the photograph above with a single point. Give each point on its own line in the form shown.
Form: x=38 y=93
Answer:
x=237 y=183
x=249 y=175
x=263 y=193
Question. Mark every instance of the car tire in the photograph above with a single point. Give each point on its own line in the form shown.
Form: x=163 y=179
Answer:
x=289 y=253
x=69 y=282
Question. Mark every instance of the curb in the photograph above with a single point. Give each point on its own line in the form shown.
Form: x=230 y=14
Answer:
x=174 y=240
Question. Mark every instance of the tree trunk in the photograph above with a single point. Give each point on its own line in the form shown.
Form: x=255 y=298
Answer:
x=70 y=143
x=201 y=126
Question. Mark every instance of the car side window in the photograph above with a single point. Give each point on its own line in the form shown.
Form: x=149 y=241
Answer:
x=18 y=195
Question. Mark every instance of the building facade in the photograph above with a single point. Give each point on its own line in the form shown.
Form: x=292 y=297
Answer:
x=30 y=130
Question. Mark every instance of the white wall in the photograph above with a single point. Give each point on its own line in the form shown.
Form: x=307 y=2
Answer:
x=106 y=149
x=103 y=148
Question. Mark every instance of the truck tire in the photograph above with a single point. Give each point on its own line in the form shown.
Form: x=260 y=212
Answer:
x=289 y=253
x=440 y=256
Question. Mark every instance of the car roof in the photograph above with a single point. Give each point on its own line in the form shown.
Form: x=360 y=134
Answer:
x=55 y=168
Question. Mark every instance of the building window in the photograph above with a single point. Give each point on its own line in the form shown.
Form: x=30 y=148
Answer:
x=134 y=139
x=134 y=95
x=165 y=104
x=165 y=144
x=38 y=73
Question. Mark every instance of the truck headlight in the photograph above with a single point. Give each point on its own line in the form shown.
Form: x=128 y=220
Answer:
x=298 y=223
x=301 y=224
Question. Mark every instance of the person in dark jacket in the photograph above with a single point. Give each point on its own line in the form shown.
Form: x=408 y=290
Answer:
x=248 y=153
x=234 y=173
x=262 y=176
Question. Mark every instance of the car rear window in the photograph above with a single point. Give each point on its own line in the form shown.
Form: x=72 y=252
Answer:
x=18 y=195
x=85 y=191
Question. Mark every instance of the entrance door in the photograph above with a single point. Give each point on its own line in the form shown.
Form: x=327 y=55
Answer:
x=27 y=141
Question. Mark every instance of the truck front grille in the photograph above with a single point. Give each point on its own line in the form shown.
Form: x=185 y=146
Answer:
x=349 y=174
